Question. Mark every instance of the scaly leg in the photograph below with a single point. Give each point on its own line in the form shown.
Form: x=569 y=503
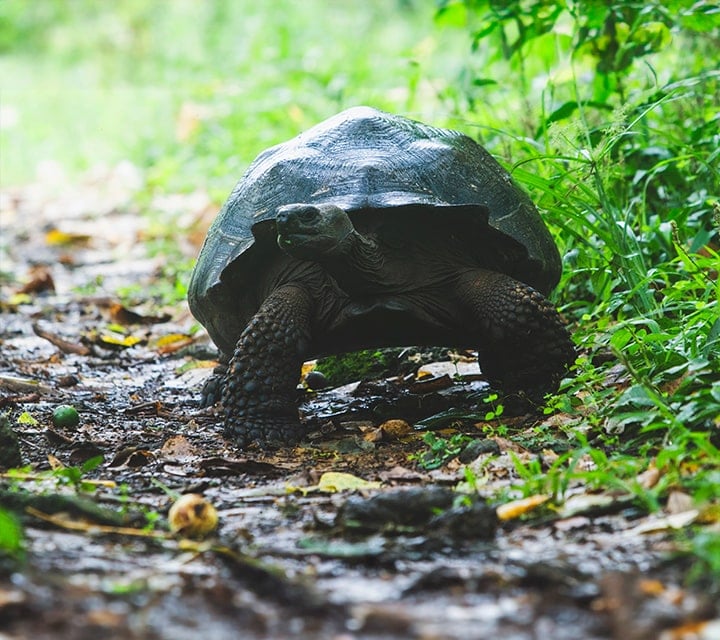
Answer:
x=524 y=344
x=259 y=388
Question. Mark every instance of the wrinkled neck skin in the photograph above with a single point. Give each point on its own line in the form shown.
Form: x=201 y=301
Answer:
x=358 y=265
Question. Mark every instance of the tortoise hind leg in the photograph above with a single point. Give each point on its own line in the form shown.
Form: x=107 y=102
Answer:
x=259 y=388
x=524 y=344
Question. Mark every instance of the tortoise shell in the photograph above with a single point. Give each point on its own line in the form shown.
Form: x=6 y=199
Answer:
x=367 y=162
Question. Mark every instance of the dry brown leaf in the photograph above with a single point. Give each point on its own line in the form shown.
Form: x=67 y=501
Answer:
x=651 y=587
x=172 y=343
x=509 y=445
x=124 y=316
x=678 y=502
x=40 y=279
x=132 y=457
x=54 y=462
x=394 y=429
x=650 y=477
x=178 y=448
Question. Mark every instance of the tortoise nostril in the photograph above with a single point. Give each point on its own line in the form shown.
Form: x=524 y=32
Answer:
x=297 y=214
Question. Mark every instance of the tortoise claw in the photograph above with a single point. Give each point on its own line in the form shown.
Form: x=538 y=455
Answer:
x=265 y=434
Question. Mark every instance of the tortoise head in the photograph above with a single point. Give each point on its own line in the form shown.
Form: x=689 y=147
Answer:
x=313 y=232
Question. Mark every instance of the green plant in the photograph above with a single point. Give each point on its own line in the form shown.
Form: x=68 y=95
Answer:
x=440 y=449
x=75 y=476
x=12 y=540
x=704 y=547
x=496 y=409
x=356 y=365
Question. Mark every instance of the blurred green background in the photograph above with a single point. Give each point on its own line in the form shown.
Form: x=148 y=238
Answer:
x=192 y=90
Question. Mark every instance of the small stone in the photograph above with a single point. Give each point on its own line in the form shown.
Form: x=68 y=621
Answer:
x=477 y=448
x=316 y=380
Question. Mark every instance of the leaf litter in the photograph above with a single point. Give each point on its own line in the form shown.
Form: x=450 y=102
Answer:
x=348 y=536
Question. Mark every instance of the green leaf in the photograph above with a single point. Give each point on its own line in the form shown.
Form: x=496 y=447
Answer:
x=26 y=418
x=11 y=535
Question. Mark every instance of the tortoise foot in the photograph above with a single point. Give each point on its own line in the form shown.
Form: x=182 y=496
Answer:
x=266 y=433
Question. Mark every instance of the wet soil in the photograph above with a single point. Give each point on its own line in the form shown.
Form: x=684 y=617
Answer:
x=294 y=554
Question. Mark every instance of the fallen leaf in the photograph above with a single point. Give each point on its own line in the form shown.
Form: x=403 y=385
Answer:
x=678 y=502
x=16 y=299
x=104 y=618
x=707 y=630
x=54 y=462
x=509 y=445
x=58 y=238
x=11 y=597
x=132 y=457
x=651 y=587
x=332 y=481
x=40 y=280
x=394 y=429
x=399 y=473
x=517 y=508
x=115 y=340
x=179 y=449
x=26 y=418
x=650 y=477
x=585 y=503
x=224 y=466
x=427 y=383
x=172 y=342
x=124 y=316
x=674 y=521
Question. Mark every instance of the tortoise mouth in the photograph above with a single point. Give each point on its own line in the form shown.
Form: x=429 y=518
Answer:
x=311 y=244
x=292 y=238
x=312 y=232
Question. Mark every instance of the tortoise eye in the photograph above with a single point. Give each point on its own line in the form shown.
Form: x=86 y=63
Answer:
x=308 y=214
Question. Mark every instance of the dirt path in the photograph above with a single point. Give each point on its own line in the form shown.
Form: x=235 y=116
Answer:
x=292 y=556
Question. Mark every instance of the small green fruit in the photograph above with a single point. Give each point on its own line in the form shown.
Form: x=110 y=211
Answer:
x=65 y=416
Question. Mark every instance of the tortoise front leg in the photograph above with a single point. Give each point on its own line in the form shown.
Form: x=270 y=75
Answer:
x=524 y=344
x=259 y=388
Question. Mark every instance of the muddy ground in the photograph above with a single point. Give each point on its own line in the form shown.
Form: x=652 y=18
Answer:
x=296 y=552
